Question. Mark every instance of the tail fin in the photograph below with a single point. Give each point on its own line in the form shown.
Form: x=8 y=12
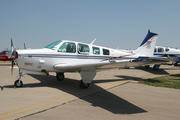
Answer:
x=147 y=46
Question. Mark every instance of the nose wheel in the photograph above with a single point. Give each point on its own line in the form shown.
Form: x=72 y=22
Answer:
x=18 y=83
x=60 y=76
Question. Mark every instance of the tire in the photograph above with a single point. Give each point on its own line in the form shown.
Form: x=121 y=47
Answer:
x=83 y=85
x=147 y=66
x=156 y=68
x=17 y=84
x=60 y=76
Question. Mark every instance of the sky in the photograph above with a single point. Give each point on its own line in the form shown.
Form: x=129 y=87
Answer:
x=113 y=23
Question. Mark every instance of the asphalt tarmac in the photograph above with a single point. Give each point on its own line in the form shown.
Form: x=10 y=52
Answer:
x=114 y=94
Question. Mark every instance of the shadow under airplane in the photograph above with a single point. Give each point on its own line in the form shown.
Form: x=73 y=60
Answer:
x=95 y=95
x=151 y=70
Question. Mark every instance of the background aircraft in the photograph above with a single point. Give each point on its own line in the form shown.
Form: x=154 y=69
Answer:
x=176 y=61
x=4 y=55
x=166 y=51
x=174 y=53
x=87 y=59
x=161 y=51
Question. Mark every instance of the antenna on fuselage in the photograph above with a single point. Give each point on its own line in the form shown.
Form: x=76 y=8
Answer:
x=24 y=46
x=93 y=41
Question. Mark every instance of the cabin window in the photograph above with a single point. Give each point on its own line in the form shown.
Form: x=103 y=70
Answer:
x=96 y=50
x=160 y=50
x=106 y=52
x=155 y=50
x=167 y=49
x=83 y=48
x=67 y=47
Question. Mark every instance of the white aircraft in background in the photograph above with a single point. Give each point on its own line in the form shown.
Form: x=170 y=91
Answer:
x=87 y=59
x=160 y=51
x=172 y=53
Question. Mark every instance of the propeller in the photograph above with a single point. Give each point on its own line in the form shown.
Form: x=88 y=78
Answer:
x=13 y=56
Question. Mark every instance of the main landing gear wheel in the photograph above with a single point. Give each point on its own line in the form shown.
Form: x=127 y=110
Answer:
x=60 y=76
x=83 y=85
x=147 y=66
x=156 y=67
x=18 y=84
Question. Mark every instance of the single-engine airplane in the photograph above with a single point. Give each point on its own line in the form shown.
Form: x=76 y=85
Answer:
x=69 y=56
x=174 y=53
x=4 y=55
x=160 y=51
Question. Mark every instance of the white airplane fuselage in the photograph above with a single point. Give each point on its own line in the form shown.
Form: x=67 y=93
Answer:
x=47 y=59
x=164 y=51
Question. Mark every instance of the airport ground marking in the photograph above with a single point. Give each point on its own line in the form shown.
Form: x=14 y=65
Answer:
x=16 y=110
x=71 y=96
x=36 y=108
x=30 y=106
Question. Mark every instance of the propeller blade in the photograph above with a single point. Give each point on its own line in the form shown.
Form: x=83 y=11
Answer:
x=12 y=47
x=12 y=66
x=13 y=56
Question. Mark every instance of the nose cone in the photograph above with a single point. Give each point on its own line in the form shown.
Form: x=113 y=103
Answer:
x=26 y=59
x=29 y=58
x=15 y=54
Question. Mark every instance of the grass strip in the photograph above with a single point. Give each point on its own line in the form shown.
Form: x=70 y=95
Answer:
x=169 y=81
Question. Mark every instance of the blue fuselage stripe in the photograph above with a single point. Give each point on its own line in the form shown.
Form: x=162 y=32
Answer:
x=70 y=56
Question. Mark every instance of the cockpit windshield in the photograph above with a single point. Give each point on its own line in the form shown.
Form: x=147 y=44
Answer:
x=2 y=53
x=53 y=45
x=7 y=51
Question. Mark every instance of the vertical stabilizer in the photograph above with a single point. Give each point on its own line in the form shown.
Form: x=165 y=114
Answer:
x=147 y=46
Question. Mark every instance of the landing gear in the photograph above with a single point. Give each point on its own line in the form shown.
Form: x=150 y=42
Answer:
x=18 y=83
x=156 y=66
x=83 y=85
x=60 y=76
x=147 y=66
x=87 y=75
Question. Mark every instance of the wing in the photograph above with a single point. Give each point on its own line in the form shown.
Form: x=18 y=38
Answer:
x=111 y=64
x=165 y=59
